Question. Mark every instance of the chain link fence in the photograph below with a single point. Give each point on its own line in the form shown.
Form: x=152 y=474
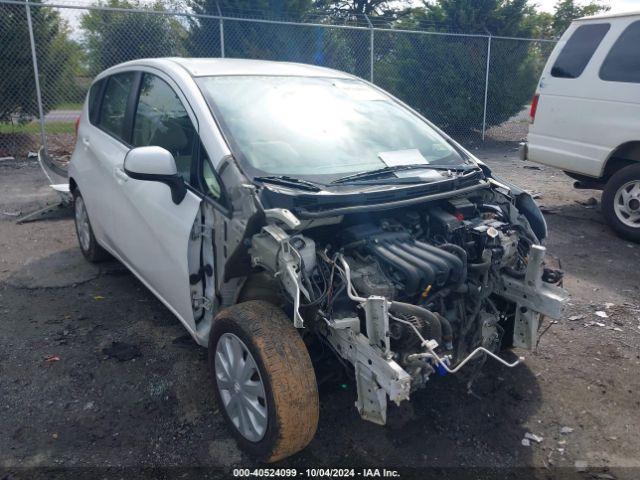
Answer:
x=475 y=87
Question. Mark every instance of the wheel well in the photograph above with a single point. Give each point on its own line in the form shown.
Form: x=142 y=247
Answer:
x=73 y=186
x=623 y=156
x=260 y=286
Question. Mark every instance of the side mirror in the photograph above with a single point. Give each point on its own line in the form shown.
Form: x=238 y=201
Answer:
x=155 y=164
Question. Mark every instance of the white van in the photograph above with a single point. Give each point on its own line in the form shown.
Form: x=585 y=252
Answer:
x=585 y=116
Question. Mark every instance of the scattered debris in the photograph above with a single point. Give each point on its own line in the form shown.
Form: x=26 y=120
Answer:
x=9 y=159
x=534 y=437
x=532 y=167
x=11 y=214
x=617 y=329
x=602 y=314
x=589 y=203
x=566 y=430
x=52 y=358
x=603 y=476
x=98 y=297
x=526 y=442
x=574 y=318
x=581 y=465
x=122 y=351
x=608 y=305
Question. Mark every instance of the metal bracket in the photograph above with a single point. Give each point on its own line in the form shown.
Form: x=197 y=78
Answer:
x=377 y=317
x=532 y=297
x=198 y=302
x=377 y=376
x=372 y=399
x=290 y=263
x=201 y=230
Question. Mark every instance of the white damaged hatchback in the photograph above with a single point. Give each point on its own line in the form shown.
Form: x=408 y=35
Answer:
x=273 y=206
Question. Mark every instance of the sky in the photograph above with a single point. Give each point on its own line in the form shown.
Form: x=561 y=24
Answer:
x=617 y=6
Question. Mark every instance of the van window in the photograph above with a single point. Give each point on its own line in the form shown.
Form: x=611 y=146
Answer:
x=161 y=120
x=578 y=50
x=114 y=104
x=623 y=61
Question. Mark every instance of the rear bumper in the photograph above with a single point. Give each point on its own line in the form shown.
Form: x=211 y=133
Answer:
x=523 y=150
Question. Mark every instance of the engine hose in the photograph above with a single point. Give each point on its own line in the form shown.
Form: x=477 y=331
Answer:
x=431 y=319
x=462 y=253
x=447 y=332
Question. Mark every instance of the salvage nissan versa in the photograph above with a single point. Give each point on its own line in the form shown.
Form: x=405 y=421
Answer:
x=269 y=205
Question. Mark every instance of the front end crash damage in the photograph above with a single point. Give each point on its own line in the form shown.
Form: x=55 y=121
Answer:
x=428 y=288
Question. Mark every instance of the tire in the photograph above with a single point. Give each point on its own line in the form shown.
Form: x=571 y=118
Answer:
x=89 y=246
x=622 y=211
x=281 y=365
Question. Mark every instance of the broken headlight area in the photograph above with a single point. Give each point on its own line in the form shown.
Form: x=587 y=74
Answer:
x=406 y=294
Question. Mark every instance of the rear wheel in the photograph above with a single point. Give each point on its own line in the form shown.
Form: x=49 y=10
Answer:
x=621 y=202
x=264 y=382
x=89 y=246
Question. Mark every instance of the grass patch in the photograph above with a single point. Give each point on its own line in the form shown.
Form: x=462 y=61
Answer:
x=33 y=128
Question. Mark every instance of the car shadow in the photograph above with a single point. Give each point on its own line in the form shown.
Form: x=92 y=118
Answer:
x=449 y=423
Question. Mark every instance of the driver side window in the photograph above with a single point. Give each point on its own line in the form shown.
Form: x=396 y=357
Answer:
x=161 y=120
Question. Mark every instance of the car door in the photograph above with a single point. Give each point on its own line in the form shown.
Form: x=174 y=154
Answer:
x=102 y=145
x=151 y=231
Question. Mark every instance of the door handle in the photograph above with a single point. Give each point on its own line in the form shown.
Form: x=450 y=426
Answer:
x=120 y=175
x=85 y=141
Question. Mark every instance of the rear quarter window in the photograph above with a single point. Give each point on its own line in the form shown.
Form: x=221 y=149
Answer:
x=114 y=104
x=622 y=63
x=95 y=95
x=578 y=50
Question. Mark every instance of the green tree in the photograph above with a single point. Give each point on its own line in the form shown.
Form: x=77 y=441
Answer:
x=368 y=7
x=57 y=59
x=444 y=76
x=115 y=37
x=245 y=39
x=568 y=10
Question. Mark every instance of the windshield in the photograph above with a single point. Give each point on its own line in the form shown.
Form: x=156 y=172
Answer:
x=306 y=126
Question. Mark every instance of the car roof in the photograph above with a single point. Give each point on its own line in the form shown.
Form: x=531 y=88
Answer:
x=205 y=67
x=608 y=15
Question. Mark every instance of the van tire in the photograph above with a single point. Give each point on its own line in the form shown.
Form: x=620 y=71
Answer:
x=285 y=371
x=87 y=242
x=611 y=191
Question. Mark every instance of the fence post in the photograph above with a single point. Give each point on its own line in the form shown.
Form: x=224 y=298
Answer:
x=486 y=88
x=370 y=47
x=34 y=58
x=221 y=30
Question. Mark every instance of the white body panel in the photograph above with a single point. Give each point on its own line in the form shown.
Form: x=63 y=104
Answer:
x=581 y=121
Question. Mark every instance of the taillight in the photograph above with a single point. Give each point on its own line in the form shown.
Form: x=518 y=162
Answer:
x=534 y=107
x=77 y=126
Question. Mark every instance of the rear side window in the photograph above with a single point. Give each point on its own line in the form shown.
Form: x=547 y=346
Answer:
x=623 y=61
x=94 y=100
x=114 y=104
x=578 y=50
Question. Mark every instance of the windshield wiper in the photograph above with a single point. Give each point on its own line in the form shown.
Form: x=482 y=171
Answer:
x=288 y=181
x=397 y=168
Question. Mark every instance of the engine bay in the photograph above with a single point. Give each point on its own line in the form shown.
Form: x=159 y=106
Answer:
x=404 y=294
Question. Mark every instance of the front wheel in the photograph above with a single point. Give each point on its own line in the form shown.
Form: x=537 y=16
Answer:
x=264 y=382
x=621 y=202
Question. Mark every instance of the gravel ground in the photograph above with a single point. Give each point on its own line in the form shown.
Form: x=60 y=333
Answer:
x=64 y=402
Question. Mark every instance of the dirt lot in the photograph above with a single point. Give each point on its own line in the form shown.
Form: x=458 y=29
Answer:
x=65 y=403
